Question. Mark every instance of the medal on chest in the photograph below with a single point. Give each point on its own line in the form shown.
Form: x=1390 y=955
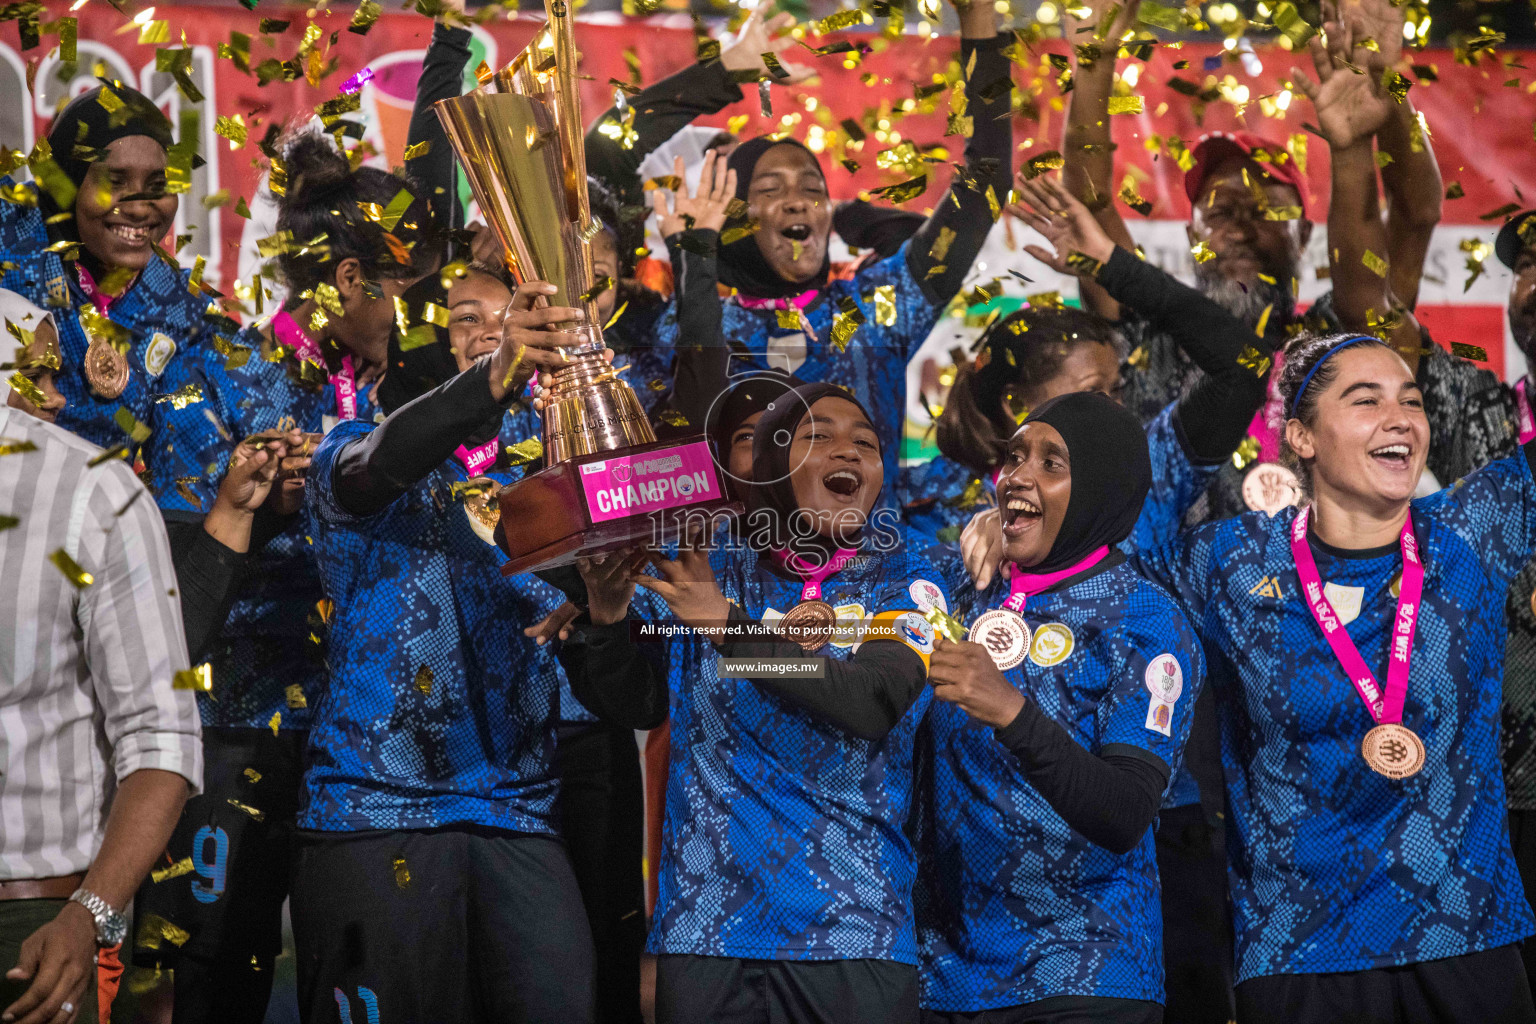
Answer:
x=1002 y=630
x=481 y=507
x=1390 y=748
x=1270 y=487
x=106 y=369
x=813 y=622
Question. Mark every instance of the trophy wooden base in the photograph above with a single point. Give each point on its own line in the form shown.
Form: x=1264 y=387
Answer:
x=643 y=494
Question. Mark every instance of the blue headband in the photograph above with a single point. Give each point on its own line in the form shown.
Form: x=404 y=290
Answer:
x=1306 y=381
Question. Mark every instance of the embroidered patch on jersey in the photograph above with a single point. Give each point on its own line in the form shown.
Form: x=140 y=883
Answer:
x=1269 y=586
x=928 y=595
x=1051 y=645
x=1160 y=716
x=1164 y=678
x=158 y=355
x=1345 y=601
x=849 y=617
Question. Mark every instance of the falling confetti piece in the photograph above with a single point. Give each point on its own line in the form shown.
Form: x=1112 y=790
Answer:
x=181 y=867
x=402 y=873
x=1202 y=252
x=154 y=929
x=24 y=386
x=885 y=305
x=71 y=569
x=256 y=813
x=294 y=695
x=188 y=394
x=1048 y=161
x=1469 y=351
x=1374 y=263
x=199 y=678
x=275 y=722
x=1247 y=450
x=423 y=680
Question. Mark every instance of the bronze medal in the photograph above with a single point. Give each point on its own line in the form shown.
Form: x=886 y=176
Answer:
x=1393 y=750
x=1533 y=602
x=106 y=369
x=482 y=508
x=809 y=624
x=1270 y=487
x=1004 y=635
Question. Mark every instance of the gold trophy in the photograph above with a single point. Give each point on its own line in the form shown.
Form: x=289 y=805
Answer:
x=608 y=482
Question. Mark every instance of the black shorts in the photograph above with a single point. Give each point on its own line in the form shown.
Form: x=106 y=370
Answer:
x=232 y=900
x=465 y=925
x=727 y=990
x=1197 y=919
x=1059 y=1010
x=1480 y=988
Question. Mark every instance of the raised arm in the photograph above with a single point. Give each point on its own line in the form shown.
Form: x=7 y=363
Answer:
x=664 y=109
x=965 y=212
x=610 y=674
x=442 y=77
x=1088 y=149
x=1351 y=108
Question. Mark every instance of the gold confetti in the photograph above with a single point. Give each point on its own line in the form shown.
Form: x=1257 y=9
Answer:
x=16 y=447
x=1050 y=160
x=740 y=231
x=1466 y=351
x=885 y=305
x=1263 y=323
x=199 y=678
x=181 y=867
x=275 y=722
x=188 y=394
x=363 y=18
x=1045 y=300
x=939 y=251
x=946 y=624
x=1247 y=451
x=294 y=695
x=1083 y=264
x=597 y=289
x=670 y=182
x=255 y=812
x=789 y=319
x=1251 y=358
x=1503 y=211
x=1282 y=213
x=252 y=776
x=1454 y=190
x=1374 y=263
x=1202 y=252
x=840 y=20
x=231 y=128
x=402 y=873
x=423 y=680
x=26 y=388
x=1125 y=105
x=903 y=191
x=154 y=929
x=524 y=452
x=1132 y=198
x=71 y=569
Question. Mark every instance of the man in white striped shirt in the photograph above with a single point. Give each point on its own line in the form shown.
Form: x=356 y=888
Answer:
x=98 y=748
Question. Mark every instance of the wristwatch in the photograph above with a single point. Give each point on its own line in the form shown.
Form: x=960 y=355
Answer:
x=111 y=927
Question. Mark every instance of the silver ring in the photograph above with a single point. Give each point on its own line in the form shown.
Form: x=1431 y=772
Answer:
x=67 y=1007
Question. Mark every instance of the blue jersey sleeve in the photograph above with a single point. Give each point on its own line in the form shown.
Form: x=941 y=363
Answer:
x=1184 y=567
x=1494 y=510
x=1152 y=705
x=192 y=444
x=1177 y=483
x=320 y=482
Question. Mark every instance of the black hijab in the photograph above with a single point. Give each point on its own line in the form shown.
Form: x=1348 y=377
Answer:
x=85 y=123
x=1111 y=473
x=770 y=451
x=742 y=265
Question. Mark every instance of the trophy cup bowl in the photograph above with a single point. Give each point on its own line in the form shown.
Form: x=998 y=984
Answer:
x=608 y=483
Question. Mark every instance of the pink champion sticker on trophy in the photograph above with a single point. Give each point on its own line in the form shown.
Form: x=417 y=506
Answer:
x=656 y=480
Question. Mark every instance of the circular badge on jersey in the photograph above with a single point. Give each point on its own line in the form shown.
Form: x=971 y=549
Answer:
x=916 y=632
x=1165 y=678
x=1393 y=750
x=1270 y=487
x=850 y=617
x=1052 y=645
x=927 y=595
x=1004 y=635
x=161 y=348
x=481 y=507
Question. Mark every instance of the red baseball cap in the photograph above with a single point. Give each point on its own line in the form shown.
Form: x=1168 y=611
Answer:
x=1271 y=157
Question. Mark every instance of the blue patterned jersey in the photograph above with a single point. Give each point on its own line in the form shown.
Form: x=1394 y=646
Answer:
x=872 y=365
x=1333 y=867
x=785 y=837
x=164 y=319
x=437 y=709
x=941 y=497
x=1014 y=906
x=265 y=647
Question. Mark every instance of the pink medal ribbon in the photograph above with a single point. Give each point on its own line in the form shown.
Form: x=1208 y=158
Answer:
x=1523 y=406
x=795 y=302
x=1022 y=584
x=291 y=336
x=477 y=460
x=811 y=574
x=100 y=299
x=1386 y=707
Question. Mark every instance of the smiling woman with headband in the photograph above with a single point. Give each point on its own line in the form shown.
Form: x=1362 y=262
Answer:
x=787 y=868
x=103 y=201
x=1057 y=724
x=1356 y=650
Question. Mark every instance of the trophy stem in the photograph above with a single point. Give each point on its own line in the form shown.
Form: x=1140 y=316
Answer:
x=588 y=409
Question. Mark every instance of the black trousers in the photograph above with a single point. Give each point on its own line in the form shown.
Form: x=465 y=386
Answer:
x=1060 y=1010
x=1522 y=837
x=602 y=816
x=467 y=925
x=726 y=990
x=232 y=900
x=1197 y=917
x=1480 y=988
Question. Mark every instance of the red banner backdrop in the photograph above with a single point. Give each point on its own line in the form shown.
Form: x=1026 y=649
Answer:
x=1480 y=116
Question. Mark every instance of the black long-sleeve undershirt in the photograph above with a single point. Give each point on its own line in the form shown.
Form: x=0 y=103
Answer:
x=703 y=358
x=988 y=161
x=442 y=77
x=864 y=696
x=1214 y=417
x=1110 y=798
x=207 y=576
x=377 y=468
